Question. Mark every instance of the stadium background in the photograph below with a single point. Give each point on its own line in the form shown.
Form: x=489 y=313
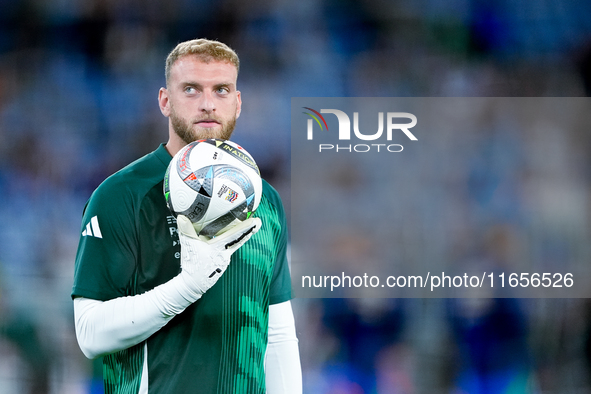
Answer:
x=78 y=89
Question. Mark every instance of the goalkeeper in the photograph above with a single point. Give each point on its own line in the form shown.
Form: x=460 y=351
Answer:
x=168 y=311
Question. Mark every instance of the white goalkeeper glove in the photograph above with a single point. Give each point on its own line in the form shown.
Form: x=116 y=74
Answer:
x=203 y=260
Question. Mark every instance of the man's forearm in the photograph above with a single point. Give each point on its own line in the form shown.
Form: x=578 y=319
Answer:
x=104 y=327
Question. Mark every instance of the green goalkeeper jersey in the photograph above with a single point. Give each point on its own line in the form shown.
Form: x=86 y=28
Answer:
x=129 y=245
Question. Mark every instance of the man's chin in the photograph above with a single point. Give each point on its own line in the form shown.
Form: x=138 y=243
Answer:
x=219 y=132
x=203 y=133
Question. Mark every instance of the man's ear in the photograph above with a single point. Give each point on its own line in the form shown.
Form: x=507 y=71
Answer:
x=238 y=104
x=163 y=102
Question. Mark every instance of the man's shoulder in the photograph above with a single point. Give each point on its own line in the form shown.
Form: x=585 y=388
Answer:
x=271 y=204
x=135 y=179
x=147 y=169
x=271 y=194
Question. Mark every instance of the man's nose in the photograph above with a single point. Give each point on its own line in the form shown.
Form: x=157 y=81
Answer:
x=207 y=103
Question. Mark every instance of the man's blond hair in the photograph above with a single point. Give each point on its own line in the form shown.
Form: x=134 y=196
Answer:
x=206 y=50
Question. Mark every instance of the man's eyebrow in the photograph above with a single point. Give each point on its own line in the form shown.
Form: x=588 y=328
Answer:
x=191 y=83
x=200 y=86
x=223 y=85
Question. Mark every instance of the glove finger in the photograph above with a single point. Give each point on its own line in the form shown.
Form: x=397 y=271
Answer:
x=238 y=235
x=185 y=226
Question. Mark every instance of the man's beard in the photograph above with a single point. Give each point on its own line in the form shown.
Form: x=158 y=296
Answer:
x=184 y=130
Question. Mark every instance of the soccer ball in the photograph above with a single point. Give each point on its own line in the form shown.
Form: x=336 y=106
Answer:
x=214 y=183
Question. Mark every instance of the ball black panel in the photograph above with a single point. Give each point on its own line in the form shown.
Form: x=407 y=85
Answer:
x=197 y=209
x=205 y=180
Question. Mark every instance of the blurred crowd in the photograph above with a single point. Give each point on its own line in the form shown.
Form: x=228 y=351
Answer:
x=78 y=88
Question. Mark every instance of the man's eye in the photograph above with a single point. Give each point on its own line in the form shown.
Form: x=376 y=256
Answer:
x=223 y=90
x=190 y=90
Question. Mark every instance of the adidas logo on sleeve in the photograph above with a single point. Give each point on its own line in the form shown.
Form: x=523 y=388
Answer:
x=92 y=229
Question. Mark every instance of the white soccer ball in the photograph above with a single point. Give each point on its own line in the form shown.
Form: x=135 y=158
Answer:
x=215 y=183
